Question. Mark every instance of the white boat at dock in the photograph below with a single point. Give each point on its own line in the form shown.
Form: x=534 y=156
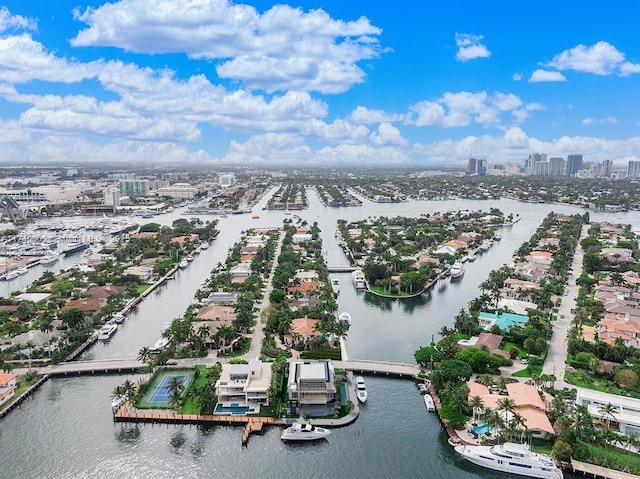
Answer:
x=457 y=270
x=304 y=432
x=119 y=318
x=472 y=256
x=204 y=245
x=345 y=317
x=183 y=264
x=22 y=270
x=49 y=258
x=511 y=458
x=107 y=331
x=361 y=389
x=335 y=286
x=428 y=402
x=9 y=275
x=359 y=280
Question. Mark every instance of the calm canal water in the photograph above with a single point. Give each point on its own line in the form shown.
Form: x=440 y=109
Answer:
x=66 y=430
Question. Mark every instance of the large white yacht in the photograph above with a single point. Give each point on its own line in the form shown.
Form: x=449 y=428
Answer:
x=358 y=279
x=511 y=458
x=457 y=269
x=304 y=432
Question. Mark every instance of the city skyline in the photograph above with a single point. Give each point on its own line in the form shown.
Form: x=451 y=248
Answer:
x=169 y=81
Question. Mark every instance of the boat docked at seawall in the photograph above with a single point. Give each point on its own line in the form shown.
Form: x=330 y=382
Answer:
x=428 y=402
x=361 y=389
x=49 y=258
x=304 y=432
x=107 y=331
x=183 y=264
x=9 y=275
x=511 y=458
x=457 y=270
x=359 y=280
x=345 y=317
x=472 y=256
x=335 y=286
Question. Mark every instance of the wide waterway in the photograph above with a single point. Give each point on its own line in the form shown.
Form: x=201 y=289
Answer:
x=66 y=430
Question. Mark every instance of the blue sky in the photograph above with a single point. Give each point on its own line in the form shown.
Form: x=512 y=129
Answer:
x=329 y=83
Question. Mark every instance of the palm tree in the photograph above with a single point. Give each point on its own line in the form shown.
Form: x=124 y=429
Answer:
x=476 y=403
x=117 y=392
x=129 y=390
x=485 y=380
x=144 y=355
x=608 y=411
x=47 y=328
x=175 y=388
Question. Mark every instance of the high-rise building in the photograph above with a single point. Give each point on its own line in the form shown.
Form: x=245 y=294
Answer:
x=481 y=167
x=633 y=170
x=556 y=166
x=574 y=164
x=471 y=166
x=607 y=168
x=134 y=187
x=226 y=180
x=541 y=168
x=112 y=197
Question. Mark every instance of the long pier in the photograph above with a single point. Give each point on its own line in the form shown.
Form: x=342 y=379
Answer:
x=252 y=424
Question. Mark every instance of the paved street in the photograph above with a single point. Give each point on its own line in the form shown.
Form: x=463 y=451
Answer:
x=557 y=354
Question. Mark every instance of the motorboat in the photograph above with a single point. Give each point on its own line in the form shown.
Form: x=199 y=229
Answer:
x=423 y=388
x=23 y=270
x=361 y=389
x=359 y=280
x=11 y=275
x=183 y=264
x=304 y=432
x=511 y=458
x=345 y=317
x=119 y=318
x=107 y=331
x=428 y=402
x=497 y=237
x=204 y=245
x=486 y=244
x=454 y=441
x=335 y=286
x=190 y=258
x=472 y=256
x=49 y=258
x=457 y=270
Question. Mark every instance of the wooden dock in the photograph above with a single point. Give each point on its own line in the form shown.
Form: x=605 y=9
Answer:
x=252 y=424
x=591 y=470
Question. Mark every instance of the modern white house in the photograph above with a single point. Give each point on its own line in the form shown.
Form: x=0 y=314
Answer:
x=244 y=384
x=311 y=388
x=7 y=387
x=627 y=418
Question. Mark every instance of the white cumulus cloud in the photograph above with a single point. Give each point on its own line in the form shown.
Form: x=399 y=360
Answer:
x=9 y=22
x=546 y=76
x=368 y=116
x=464 y=108
x=282 y=48
x=388 y=134
x=470 y=47
x=599 y=59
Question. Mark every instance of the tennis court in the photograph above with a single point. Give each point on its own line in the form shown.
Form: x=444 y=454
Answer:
x=162 y=393
x=155 y=393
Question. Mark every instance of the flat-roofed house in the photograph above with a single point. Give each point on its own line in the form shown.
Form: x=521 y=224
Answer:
x=311 y=388
x=244 y=384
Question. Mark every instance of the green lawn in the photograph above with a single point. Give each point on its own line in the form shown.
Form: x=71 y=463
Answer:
x=386 y=294
x=586 y=380
x=21 y=386
x=190 y=405
x=529 y=371
x=141 y=288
